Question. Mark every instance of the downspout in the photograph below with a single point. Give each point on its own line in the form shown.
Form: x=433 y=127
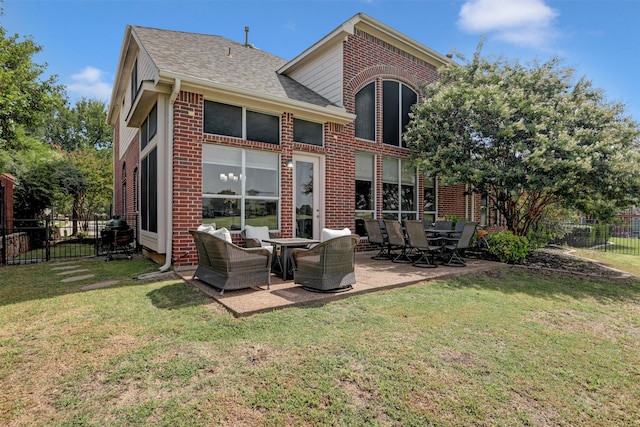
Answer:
x=169 y=169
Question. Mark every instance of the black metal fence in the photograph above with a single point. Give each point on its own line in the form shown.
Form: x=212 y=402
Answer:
x=26 y=241
x=622 y=237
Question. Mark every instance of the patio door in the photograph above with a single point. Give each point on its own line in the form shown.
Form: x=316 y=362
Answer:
x=307 y=196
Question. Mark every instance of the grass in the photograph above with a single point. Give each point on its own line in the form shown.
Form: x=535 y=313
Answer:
x=510 y=347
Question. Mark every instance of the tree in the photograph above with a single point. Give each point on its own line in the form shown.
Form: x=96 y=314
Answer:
x=84 y=136
x=527 y=137
x=24 y=99
x=82 y=126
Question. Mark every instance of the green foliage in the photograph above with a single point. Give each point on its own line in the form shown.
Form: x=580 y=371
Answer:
x=80 y=127
x=584 y=236
x=528 y=137
x=508 y=247
x=24 y=98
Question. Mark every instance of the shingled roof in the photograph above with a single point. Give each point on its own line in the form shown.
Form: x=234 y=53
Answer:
x=222 y=61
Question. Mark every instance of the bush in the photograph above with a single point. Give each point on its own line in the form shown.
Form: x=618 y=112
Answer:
x=508 y=247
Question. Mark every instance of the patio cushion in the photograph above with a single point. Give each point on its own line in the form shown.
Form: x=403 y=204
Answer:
x=207 y=228
x=260 y=233
x=332 y=234
x=223 y=234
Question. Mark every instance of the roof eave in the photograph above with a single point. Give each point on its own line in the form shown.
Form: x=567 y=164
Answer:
x=232 y=94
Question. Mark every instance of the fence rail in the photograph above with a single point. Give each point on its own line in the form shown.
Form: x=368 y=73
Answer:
x=623 y=237
x=27 y=241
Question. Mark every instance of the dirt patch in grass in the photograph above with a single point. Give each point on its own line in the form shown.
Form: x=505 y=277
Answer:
x=563 y=260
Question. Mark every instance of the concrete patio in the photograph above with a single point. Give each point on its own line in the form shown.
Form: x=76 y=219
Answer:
x=371 y=276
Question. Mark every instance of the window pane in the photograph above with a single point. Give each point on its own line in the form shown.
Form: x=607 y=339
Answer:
x=366 y=112
x=153 y=122
x=391 y=112
x=222 y=119
x=389 y=197
x=153 y=191
x=409 y=97
x=143 y=134
x=307 y=132
x=263 y=127
x=365 y=164
x=224 y=212
x=221 y=170
x=364 y=195
x=429 y=195
x=144 y=187
x=261 y=212
x=262 y=174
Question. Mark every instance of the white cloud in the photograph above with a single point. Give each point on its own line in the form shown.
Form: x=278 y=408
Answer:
x=523 y=22
x=90 y=83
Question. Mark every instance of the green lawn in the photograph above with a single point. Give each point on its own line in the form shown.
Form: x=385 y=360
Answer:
x=510 y=347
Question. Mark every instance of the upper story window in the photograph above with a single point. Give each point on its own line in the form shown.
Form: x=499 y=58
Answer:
x=366 y=112
x=238 y=122
x=307 y=132
x=134 y=81
x=397 y=99
x=149 y=127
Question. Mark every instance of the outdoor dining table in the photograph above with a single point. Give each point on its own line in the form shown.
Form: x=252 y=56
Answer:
x=283 y=256
x=438 y=232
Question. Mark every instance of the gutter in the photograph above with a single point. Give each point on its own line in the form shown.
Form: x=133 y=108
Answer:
x=169 y=183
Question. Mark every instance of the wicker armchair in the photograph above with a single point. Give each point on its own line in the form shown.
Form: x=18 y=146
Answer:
x=327 y=267
x=227 y=266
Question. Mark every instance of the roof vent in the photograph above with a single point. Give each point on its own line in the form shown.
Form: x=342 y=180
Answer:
x=246 y=38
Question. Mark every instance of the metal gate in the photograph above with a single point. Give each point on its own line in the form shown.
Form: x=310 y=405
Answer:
x=32 y=240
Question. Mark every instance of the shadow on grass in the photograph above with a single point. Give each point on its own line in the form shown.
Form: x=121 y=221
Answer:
x=551 y=285
x=176 y=296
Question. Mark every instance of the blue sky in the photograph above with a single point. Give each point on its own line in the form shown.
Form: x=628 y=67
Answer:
x=81 y=39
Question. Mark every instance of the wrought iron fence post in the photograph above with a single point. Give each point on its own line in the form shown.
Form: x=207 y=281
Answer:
x=47 y=235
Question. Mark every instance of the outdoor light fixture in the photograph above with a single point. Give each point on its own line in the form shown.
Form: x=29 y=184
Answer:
x=290 y=163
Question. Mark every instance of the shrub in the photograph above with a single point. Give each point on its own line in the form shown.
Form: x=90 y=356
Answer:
x=508 y=247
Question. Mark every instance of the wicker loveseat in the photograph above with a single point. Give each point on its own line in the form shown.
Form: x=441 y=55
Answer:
x=328 y=266
x=227 y=266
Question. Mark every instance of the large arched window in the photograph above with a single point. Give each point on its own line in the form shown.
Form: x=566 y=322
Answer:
x=397 y=99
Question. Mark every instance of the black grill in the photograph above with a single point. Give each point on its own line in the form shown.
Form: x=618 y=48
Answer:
x=118 y=236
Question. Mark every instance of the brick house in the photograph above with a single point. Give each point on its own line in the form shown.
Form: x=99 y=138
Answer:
x=207 y=129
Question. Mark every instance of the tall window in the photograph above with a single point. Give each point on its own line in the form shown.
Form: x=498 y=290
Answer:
x=149 y=173
x=365 y=189
x=124 y=190
x=240 y=187
x=397 y=99
x=366 y=112
x=430 y=203
x=231 y=120
x=398 y=190
x=136 y=185
x=149 y=191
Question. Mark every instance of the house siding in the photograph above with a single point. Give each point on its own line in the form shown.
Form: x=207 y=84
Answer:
x=324 y=76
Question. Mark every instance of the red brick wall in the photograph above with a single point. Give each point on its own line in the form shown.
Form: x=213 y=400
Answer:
x=131 y=160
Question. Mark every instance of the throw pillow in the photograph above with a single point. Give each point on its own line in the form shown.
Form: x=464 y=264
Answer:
x=260 y=233
x=223 y=234
x=207 y=228
x=331 y=234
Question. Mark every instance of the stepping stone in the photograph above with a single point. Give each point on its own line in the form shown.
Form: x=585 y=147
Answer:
x=76 y=278
x=65 y=267
x=99 y=285
x=71 y=272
